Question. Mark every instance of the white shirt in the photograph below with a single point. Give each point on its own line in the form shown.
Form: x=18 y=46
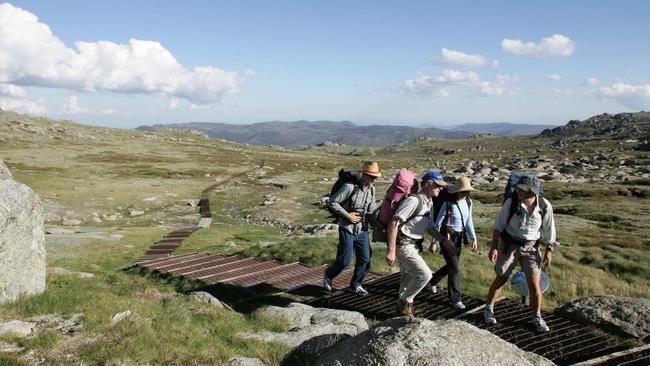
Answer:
x=527 y=227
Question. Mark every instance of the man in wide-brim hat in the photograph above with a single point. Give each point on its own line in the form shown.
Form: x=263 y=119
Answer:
x=351 y=203
x=455 y=222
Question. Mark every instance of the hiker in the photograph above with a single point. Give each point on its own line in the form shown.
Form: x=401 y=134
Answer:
x=405 y=236
x=351 y=203
x=455 y=222
x=516 y=238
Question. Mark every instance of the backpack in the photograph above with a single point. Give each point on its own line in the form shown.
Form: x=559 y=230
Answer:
x=511 y=192
x=404 y=184
x=346 y=175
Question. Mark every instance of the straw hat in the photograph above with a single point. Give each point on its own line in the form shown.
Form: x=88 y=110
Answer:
x=371 y=168
x=463 y=184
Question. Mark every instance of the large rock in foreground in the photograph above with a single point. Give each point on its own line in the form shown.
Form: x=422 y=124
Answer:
x=314 y=329
x=626 y=314
x=422 y=342
x=22 y=248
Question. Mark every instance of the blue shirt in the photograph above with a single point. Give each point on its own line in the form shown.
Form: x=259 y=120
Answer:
x=458 y=209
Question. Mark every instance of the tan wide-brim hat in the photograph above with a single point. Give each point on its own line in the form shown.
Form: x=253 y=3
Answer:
x=463 y=184
x=371 y=168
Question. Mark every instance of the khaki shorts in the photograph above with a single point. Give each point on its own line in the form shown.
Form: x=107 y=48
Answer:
x=528 y=256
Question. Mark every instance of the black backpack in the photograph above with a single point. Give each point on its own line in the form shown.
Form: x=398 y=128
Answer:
x=511 y=192
x=346 y=175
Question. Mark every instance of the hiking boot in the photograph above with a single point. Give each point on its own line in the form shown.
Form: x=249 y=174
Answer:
x=327 y=284
x=433 y=288
x=488 y=315
x=358 y=290
x=404 y=308
x=540 y=324
x=458 y=305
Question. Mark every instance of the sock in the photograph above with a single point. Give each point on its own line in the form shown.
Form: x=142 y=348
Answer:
x=537 y=314
x=490 y=307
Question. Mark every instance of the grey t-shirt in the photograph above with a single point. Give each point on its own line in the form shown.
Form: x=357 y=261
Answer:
x=421 y=222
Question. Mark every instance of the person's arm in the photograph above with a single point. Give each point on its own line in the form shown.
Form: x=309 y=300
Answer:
x=339 y=197
x=393 y=227
x=469 y=227
x=494 y=248
x=499 y=225
x=438 y=223
x=445 y=243
x=548 y=236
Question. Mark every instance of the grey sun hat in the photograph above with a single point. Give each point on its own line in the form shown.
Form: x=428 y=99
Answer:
x=528 y=183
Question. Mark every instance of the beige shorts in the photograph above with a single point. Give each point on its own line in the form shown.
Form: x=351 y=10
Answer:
x=528 y=256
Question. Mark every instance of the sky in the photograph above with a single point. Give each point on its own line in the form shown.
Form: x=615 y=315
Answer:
x=420 y=63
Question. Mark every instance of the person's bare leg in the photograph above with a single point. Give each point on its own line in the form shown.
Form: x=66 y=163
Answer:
x=535 y=291
x=495 y=289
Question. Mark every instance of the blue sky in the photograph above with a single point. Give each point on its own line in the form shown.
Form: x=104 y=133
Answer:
x=124 y=64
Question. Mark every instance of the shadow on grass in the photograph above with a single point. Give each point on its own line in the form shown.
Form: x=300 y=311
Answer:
x=242 y=300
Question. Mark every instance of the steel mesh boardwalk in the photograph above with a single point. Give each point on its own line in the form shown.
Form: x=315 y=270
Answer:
x=568 y=341
x=255 y=275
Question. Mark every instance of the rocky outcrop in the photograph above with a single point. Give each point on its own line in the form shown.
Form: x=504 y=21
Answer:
x=626 y=314
x=22 y=248
x=4 y=171
x=314 y=329
x=422 y=342
x=207 y=298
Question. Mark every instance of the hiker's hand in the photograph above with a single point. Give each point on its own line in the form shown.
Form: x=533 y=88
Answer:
x=433 y=247
x=354 y=217
x=493 y=255
x=474 y=245
x=548 y=258
x=390 y=258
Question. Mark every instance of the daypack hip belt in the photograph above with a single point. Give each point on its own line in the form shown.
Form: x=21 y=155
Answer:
x=506 y=237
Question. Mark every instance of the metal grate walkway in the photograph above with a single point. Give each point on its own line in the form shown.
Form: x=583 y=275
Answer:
x=567 y=343
x=255 y=275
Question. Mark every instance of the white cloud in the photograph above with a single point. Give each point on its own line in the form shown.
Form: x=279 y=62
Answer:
x=71 y=107
x=30 y=55
x=591 y=81
x=445 y=84
x=13 y=91
x=556 y=45
x=20 y=105
x=554 y=77
x=458 y=58
x=505 y=79
x=631 y=96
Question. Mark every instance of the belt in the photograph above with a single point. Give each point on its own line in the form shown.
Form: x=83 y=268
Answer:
x=405 y=240
x=515 y=241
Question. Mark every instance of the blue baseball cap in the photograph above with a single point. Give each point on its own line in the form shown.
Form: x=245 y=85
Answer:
x=435 y=177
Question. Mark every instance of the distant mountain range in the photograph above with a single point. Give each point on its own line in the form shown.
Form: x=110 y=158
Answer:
x=501 y=128
x=303 y=133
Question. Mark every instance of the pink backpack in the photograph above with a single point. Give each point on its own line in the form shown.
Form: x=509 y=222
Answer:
x=404 y=184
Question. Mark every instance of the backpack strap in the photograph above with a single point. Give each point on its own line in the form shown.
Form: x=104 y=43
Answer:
x=418 y=208
x=514 y=204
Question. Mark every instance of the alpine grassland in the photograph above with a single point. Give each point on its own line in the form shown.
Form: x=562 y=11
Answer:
x=109 y=194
